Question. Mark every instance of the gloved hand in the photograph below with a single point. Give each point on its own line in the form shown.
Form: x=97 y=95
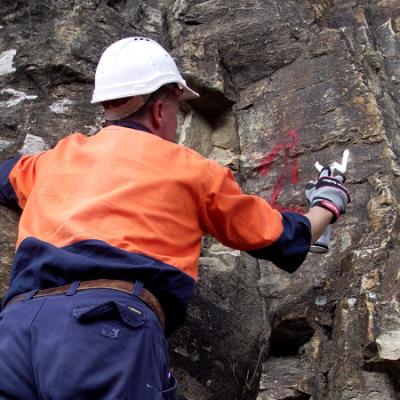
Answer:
x=329 y=192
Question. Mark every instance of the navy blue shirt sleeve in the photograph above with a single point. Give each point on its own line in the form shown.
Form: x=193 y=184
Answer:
x=291 y=248
x=7 y=193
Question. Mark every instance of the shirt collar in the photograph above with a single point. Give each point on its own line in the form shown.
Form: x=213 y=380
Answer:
x=132 y=125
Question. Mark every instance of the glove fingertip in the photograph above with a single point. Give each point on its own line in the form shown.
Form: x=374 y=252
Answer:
x=340 y=177
x=325 y=171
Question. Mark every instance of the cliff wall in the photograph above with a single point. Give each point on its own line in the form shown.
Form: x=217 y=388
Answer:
x=283 y=84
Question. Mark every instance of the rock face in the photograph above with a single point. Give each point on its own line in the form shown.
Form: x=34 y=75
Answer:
x=283 y=84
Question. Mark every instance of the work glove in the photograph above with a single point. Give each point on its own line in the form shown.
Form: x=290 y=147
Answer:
x=329 y=192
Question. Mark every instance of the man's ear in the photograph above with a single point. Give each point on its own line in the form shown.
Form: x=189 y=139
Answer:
x=157 y=113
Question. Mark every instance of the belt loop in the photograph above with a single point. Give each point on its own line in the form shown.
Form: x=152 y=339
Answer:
x=73 y=288
x=29 y=296
x=137 y=288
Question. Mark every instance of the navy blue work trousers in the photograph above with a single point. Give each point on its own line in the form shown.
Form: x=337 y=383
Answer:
x=98 y=344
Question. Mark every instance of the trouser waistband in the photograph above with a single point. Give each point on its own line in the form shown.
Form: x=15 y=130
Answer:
x=122 y=286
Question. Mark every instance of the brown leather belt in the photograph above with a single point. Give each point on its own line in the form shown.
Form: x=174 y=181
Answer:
x=122 y=286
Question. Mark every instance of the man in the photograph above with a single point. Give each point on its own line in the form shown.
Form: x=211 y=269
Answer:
x=110 y=235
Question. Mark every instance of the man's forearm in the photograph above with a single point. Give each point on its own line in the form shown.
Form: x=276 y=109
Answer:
x=319 y=219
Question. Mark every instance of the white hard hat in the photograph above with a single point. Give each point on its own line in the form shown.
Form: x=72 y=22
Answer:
x=136 y=66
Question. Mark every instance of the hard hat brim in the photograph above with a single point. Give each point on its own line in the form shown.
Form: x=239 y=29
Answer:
x=188 y=94
x=105 y=95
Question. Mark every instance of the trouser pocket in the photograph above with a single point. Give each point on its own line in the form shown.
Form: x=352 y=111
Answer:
x=128 y=350
x=112 y=310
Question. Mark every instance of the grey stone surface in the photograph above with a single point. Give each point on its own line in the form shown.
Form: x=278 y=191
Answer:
x=283 y=84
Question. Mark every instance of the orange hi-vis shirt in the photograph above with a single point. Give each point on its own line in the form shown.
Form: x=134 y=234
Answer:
x=125 y=202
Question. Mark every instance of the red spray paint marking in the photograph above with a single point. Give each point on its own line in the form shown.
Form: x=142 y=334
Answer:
x=290 y=168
